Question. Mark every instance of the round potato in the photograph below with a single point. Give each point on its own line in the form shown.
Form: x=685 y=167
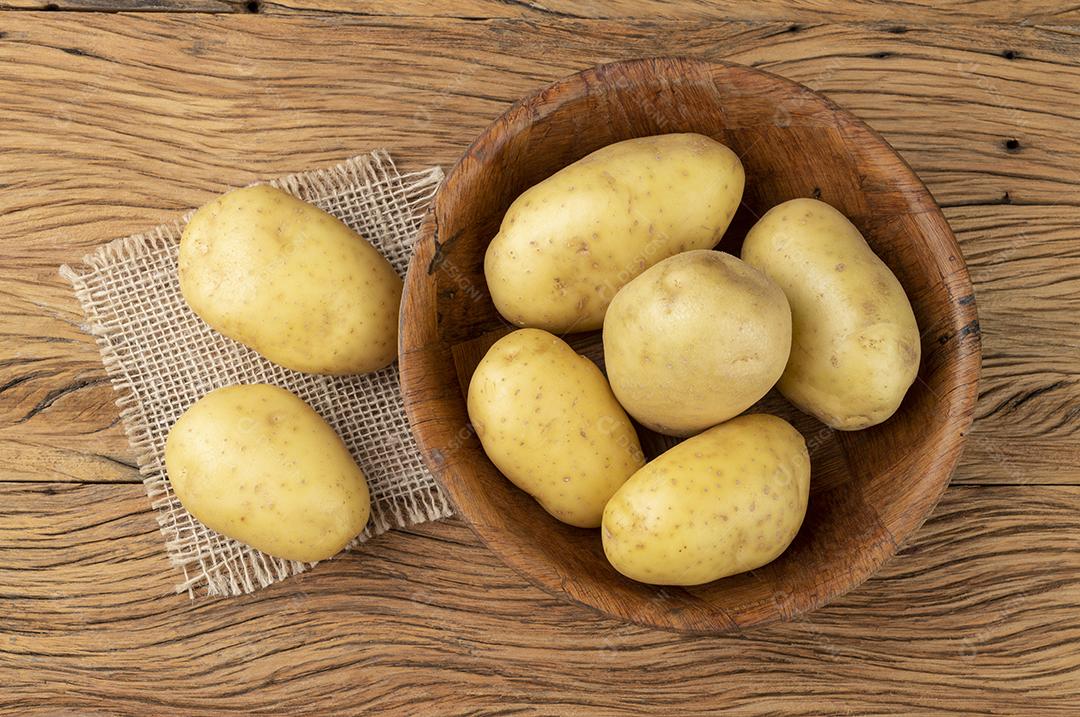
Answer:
x=695 y=340
x=548 y=421
x=855 y=344
x=723 y=502
x=291 y=282
x=568 y=244
x=257 y=464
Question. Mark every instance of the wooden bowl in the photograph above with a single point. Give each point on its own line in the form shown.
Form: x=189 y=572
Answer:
x=870 y=489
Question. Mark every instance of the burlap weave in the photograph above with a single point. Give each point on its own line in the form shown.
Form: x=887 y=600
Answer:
x=161 y=358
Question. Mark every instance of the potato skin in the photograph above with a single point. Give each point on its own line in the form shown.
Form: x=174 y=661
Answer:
x=257 y=464
x=695 y=340
x=291 y=282
x=855 y=344
x=549 y=422
x=569 y=243
x=723 y=502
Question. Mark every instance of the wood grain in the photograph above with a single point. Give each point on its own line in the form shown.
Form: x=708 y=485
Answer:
x=801 y=11
x=888 y=14
x=131 y=5
x=112 y=123
x=976 y=616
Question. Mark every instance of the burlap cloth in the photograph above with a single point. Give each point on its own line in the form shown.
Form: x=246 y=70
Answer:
x=161 y=358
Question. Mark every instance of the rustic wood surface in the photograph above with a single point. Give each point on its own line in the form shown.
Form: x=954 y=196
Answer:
x=110 y=123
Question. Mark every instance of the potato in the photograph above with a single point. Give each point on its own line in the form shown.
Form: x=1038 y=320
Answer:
x=855 y=344
x=695 y=340
x=291 y=282
x=548 y=421
x=723 y=502
x=568 y=244
x=257 y=464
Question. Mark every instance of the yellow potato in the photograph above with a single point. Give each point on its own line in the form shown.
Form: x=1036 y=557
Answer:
x=695 y=340
x=723 y=502
x=568 y=244
x=291 y=282
x=257 y=464
x=548 y=421
x=855 y=344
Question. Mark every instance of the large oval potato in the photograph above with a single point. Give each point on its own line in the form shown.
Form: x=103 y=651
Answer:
x=695 y=340
x=548 y=421
x=257 y=464
x=291 y=282
x=723 y=502
x=855 y=344
x=568 y=244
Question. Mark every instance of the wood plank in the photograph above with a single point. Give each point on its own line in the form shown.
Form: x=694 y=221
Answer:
x=1027 y=381
x=802 y=11
x=130 y=5
x=798 y=11
x=978 y=615
x=113 y=124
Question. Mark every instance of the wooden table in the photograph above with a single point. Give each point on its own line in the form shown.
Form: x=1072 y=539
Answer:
x=111 y=123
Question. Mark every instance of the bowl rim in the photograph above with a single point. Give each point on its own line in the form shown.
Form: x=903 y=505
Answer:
x=960 y=402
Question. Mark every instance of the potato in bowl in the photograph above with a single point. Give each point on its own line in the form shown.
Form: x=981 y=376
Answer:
x=567 y=245
x=856 y=343
x=695 y=340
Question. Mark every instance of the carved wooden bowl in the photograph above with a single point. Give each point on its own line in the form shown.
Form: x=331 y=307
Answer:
x=869 y=489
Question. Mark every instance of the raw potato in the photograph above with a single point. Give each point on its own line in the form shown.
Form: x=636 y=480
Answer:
x=855 y=344
x=257 y=464
x=291 y=282
x=568 y=244
x=548 y=421
x=695 y=340
x=726 y=501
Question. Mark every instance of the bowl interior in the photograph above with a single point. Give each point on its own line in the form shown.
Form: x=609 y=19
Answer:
x=870 y=489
